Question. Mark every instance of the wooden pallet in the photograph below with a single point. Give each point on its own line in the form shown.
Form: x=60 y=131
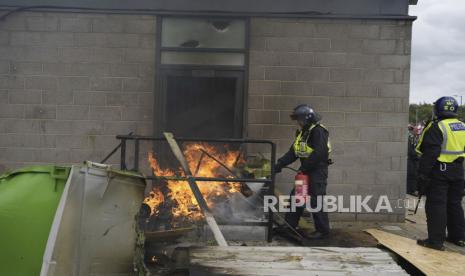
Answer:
x=291 y=261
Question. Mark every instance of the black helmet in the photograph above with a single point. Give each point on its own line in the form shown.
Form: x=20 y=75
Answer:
x=446 y=107
x=305 y=113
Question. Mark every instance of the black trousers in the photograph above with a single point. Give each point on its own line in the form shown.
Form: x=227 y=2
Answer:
x=318 y=182
x=444 y=204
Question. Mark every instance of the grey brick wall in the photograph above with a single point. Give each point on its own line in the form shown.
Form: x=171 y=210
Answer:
x=353 y=72
x=70 y=82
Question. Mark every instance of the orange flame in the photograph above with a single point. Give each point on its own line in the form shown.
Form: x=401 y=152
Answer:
x=179 y=191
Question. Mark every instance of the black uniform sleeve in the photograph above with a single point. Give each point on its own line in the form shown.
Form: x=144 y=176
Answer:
x=319 y=143
x=430 y=148
x=288 y=158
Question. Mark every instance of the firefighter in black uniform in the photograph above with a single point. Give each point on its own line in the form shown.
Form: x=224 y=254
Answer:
x=312 y=147
x=441 y=176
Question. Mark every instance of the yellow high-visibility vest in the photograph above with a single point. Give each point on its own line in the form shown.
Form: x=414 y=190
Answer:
x=453 y=140
x=301 y=147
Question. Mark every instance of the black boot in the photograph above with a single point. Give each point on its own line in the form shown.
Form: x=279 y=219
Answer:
x=317 y=235
x=460 y=243
x=428 y=244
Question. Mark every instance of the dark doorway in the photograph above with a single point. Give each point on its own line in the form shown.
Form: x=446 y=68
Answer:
x=202 y=103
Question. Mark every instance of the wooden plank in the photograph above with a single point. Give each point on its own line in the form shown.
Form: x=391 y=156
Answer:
x=292 y=261
x=195 y=190
x=429 y=261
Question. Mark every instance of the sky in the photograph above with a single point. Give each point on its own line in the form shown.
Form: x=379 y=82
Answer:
x=438 y=50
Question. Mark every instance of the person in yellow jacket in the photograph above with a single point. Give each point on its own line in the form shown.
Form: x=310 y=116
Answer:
x=441 y=175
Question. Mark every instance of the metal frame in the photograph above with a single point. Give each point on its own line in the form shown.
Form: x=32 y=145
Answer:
x=162 y=69
x=271 y=182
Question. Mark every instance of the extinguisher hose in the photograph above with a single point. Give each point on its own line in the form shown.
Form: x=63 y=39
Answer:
x=292 y=169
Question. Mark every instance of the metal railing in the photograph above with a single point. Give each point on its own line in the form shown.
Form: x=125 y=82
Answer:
x=269 y=182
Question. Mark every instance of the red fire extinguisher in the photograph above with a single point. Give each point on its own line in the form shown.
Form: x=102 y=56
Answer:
x=302 y=187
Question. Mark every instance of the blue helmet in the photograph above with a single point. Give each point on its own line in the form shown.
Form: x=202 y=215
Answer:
x=446 y=107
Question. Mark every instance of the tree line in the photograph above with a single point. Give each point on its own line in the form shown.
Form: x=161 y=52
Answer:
x=422 y=112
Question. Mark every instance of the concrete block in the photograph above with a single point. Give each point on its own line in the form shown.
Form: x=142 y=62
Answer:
x=41 y=82
x=147 y=41
x=345 y=75
x=73 y=83
x=282 y=44
x=383 y=76
x=263 y=117
x=296 y=88
x=115 y=128
x=332 y=118
x=4 y=96
x=12 y=81
x=108 y=25
x=25 y=38
x=391 y=148
x=393 y=119
x=25 y=96
x=277 y=132
x=145 y=128
x=359 y=148
x=255 y=102
x=146 y=99
x=124 y=70
x=379 y=46
x=89 y=98
x=141 y=26
x=281 y=73
x=364 y=31
x=146 y=70
x=40 y=112
x=89 y=39
x=139 y=56
x=87 y=127
x=356 y=60
x=77 y=55
x=328 y=89
x=138 y=84
x=260 y=87
x=105 y=113
x=4 y=38
x=132 y=113
x=315 y=45
x=313 y=74
x=72 y=141
x=381 y=134
x=106 y=84
x=122 y=40
x=26 y=68
x=342 y=104
x=257 y=43
x=346 y=45
x=37 y=54
x=57 y=97
x=254 y=131
x=395 y=32
x=75 y=25
x=27 y=141
x=358 y=90
x=361 y=119
x=344 y=133
x=358 y=177
x=391 y=179
x=382 y=104
x=14 y=23
x=325 y=30
x=11 y=110
x=394 y=61
x=72 y=112
x=289 y=102
x=257 y=73
x=264 y=58
x=21 y=126
x=330 y=59
x=42 y=23
x=109 y=55
x=121 y=99
x=295 y=59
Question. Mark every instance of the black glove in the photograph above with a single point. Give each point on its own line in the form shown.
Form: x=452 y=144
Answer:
x=278 y=167
x=423 y=182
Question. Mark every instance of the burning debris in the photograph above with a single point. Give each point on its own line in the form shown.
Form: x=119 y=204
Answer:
x=172 y=198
